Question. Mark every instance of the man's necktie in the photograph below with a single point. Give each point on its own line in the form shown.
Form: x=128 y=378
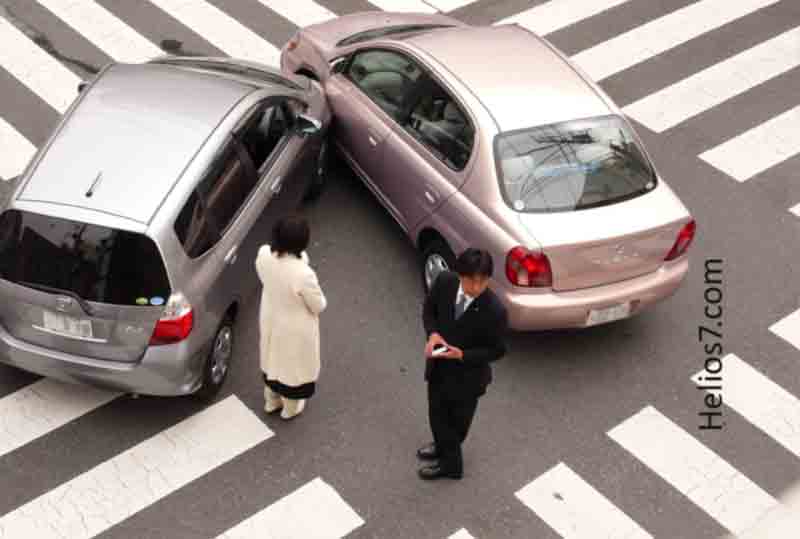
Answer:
x=461 y=305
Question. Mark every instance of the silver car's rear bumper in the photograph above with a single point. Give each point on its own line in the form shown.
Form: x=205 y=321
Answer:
x=560 y=310
x=162 y=370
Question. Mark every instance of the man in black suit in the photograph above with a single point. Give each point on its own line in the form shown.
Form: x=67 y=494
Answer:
x=467 y=318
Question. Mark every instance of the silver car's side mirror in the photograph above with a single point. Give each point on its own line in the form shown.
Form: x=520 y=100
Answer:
x=306 y=125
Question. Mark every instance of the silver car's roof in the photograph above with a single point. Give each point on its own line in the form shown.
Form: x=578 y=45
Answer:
x=516 y=75
x=132 y=135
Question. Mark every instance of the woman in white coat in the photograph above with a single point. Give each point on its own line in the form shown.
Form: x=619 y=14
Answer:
x=291 y=302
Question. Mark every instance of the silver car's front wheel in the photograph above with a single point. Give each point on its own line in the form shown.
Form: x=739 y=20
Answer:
x=436 y=258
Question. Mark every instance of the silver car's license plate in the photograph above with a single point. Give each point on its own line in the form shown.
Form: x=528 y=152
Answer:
x=66 y=325
x=609 y=314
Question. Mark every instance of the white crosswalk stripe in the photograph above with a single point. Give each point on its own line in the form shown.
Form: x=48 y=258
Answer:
x=788 y=328
x=714 y=85
x=557 y=14
x=461 y=534
x=795 y=210
x=103 y=29
x=42 y=407
x=575 y=509
x=761 y=401
x=300 y=12
x=220 y=29
x=15 y=152
x=449 y=5
x=32 y=66
x=404 y=5
x=693 y=469
x=124 y=485
x=662 y=34
x=314 y=511
x=759 y=148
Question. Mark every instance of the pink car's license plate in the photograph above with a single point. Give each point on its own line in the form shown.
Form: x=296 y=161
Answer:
x=609 y=314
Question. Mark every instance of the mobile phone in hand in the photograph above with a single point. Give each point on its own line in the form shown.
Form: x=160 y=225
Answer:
x=439 y=349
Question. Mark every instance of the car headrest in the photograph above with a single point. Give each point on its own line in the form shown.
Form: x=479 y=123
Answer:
x=452 y=114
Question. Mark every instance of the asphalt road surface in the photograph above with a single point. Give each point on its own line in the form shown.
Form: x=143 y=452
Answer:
x=583 y=434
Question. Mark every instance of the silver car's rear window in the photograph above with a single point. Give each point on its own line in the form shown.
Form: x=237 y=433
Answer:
x=94 y=263
x=572 y=165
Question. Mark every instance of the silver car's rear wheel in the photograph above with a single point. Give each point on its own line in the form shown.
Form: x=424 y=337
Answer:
x=219 y=360
x=436 y=258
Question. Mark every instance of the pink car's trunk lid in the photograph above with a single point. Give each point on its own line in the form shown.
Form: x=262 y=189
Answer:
x=608 y=244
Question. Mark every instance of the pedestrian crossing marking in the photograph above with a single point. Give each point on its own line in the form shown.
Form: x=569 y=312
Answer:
x=788 y=328
x=461 y=534
x=662 y=34
x=449 y=5
x=557 y=14
x=696 y=471
x=795 y=210
x=220 y=29
x=575 y=509
x=103 y=29
x=761 y=401
x=118 y=488
x=314 y=511
x=759 y=148
x=708 y=88
x=42 y=407
x=16 y=151
x=32 y=66
x=404 y=5
x=300 y=12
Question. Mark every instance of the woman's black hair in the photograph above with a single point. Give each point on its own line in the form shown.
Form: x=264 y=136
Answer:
x=290 y=235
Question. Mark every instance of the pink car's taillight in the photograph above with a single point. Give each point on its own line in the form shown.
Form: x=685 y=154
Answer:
x=685 y=237
x=175 y=324
x=526 y=268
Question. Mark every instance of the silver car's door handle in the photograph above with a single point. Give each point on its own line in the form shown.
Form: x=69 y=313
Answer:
x=276 y=185
x=232 y=255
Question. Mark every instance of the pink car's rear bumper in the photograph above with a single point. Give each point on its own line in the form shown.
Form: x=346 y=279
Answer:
x=555 y=310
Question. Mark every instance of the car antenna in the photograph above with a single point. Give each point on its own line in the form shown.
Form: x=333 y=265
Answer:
x=95 y=183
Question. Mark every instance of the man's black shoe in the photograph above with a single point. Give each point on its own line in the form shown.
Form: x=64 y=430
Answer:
x=434 y=471
x=427 y=452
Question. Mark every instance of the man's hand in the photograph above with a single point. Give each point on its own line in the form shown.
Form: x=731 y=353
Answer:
x=453 y=352
x=434 y=340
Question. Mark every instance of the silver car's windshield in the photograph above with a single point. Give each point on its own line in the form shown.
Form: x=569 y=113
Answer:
x=572 y=165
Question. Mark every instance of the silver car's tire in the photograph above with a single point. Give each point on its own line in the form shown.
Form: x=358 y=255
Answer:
x=436 y=257
x=218 y=362
x=320 y=174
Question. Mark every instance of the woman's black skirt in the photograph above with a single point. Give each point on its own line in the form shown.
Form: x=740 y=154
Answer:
x=304 y=391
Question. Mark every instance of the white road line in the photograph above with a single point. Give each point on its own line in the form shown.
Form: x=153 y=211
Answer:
x=15 y=152
x=788 y=328
x=697 y=472
x=449 y=5
x=461 y=534
x=759 y=148
x=103 y=29
x=557 y=14
x=761 y=401
x=42 y=407
x=404 y=5
x=707 y=88
x=662 y=34
x=220 y=29
x=314 y=511
x=32 y=66
x=795 y=210
x=300 y=12
x=575 y=509
x=98 y=499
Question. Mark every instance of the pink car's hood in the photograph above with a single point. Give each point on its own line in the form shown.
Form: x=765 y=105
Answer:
x=597 y=246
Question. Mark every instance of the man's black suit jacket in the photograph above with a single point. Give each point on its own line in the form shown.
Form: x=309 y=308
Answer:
x=478 y=332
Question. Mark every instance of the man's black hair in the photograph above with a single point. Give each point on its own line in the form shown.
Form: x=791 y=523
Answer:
x=474 y=262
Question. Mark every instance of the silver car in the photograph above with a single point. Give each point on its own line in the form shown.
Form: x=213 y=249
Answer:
x=127 y=248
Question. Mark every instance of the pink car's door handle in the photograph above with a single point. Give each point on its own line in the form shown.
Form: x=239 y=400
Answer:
x=431 y=198
x=372 y=141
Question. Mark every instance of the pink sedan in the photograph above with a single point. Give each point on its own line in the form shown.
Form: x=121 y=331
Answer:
x=490 y=137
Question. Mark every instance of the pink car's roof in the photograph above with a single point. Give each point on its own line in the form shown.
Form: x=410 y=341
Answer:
x=517 y=76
